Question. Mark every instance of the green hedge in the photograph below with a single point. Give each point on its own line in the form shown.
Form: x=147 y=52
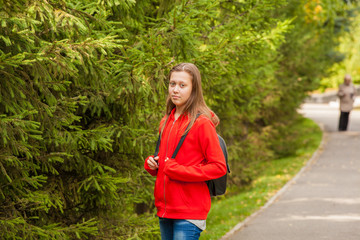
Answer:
x=82 y=90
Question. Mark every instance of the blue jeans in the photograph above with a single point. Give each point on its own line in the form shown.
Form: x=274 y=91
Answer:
x=178 y=229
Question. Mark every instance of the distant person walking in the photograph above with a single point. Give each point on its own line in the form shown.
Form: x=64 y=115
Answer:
x=346 y=94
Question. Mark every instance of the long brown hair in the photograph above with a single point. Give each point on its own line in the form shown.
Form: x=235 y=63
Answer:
x=196 y=103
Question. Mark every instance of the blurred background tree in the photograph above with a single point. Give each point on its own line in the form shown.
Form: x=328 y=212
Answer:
x=349 y=45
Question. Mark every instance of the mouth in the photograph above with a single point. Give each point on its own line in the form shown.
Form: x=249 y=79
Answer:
x=175 y=97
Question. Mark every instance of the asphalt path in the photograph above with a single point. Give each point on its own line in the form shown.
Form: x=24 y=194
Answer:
x=328 y=116
x=323 y=200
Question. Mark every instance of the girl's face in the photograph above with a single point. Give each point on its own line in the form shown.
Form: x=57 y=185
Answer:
x=180 y=88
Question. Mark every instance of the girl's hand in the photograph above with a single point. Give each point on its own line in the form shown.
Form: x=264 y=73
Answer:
x=152 y=163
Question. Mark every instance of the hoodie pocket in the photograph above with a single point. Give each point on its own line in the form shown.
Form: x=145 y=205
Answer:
x=159 y=191
x=175 y=195
x=184 y=196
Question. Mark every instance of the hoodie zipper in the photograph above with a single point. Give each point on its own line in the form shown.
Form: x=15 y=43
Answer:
x=167 y=146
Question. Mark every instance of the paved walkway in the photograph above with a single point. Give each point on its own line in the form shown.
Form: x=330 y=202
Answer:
x=323 y=201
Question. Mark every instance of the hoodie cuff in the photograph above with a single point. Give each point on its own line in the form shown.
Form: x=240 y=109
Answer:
x=148 y=169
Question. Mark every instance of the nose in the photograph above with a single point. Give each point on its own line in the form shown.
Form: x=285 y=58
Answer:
x=176 y=88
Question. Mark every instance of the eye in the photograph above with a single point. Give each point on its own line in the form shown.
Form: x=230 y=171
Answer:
x=182 y=85
x=172 y=84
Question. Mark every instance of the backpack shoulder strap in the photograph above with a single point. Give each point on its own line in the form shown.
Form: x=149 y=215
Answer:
x=157 y=147
x=158 y=141
x=182 y=140
x=179 y=144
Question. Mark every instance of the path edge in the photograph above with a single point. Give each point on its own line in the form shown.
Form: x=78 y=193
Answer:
x=279 y=193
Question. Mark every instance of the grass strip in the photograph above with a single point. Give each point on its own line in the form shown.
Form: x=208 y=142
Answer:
x=226 y=212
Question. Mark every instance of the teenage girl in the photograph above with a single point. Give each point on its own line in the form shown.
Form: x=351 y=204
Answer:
x=181 y=195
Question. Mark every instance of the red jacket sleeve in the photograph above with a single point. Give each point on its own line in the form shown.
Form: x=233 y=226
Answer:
x=215 y=165
x=147 y=168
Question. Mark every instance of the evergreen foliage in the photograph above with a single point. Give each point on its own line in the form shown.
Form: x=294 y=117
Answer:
x=83 y=86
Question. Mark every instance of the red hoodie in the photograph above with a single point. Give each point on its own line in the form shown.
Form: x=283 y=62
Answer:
x=180 y=188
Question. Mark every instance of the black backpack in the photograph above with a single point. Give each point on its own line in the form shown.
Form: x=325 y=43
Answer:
x=216 y=186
